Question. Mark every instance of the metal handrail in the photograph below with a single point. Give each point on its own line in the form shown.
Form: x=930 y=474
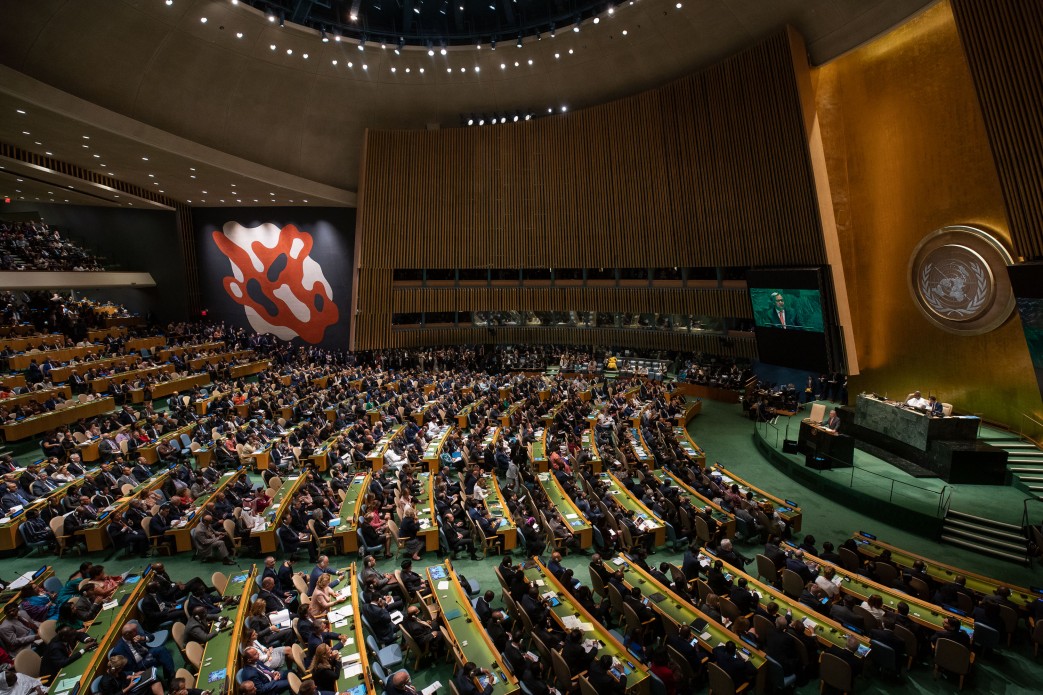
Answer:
x=1025 y=510
x=767 y=424
x=944 y=501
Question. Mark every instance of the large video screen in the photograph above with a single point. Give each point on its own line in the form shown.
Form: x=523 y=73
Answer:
x=788 y=318
x=1027 y=282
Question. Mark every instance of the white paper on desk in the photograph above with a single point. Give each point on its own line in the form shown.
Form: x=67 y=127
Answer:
x=68 y=683
x=838 y=580
x=340 y=624
x=570 y=622
x=539 y=582
x=351 y=658
x=443 y=585
x=431 y=688
x=586 y=627
x=618 y=561
x=110 y=604
x=280 y=619
x=572 y=516
x=349 y=641
x=810 y=624
x=548 y=595
x=5 y=520
x=705 y=637
x=396 y=617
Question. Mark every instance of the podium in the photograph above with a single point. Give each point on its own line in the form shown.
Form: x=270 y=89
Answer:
x=825 y=448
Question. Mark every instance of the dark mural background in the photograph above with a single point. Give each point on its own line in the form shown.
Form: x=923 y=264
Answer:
x=281 y=279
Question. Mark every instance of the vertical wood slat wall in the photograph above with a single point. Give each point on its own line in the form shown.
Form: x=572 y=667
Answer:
x=710 y=170
x=1003 y=42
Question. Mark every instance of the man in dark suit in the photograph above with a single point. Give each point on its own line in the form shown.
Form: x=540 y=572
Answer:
x=267 y=681
x=323 y=567
x=61 y=651
x=727 y=657
x=744 y=599
x=951 y=631
x=682 y=642
x=483 y=607
x=849 y=653
x=601 y=678
x=576 y=657
x=779 y=315
x=779 y=646
x=376 y=614
x=134 y=646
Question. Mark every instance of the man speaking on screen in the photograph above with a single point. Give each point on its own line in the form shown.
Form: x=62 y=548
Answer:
x=779 y=315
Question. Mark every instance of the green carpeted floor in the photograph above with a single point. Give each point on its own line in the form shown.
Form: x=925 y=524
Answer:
x=726 y=437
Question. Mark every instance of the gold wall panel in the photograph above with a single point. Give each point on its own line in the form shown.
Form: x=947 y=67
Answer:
x=709 y=170
x=907 y=153
x=1003 y=41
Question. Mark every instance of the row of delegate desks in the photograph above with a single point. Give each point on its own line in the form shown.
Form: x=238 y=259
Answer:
x=827 y=631
x=468 y=639
x=376 y=456
x=64 y=354
x=725 y=519
x=692 y=450
x=345 y=535
x=96 y=532
x=166 y=388
x=274 y=514
x=461 y=417
x=65 y=371
x=425 y=511
x=642 y=514
x=98 y=334
x=75 y=678
x=787 y=509
x=249 y=368
x=538 y=452
x=921 y=612
x=166 y=353
x=641 y=451
x=148 y=343
x=354 y=678
x=38 y=424
x=62 y=392
x=433 y=452
x=589 y=442
x=578 y=523
x=28 y=342
x=505 y=525
x=10 y=539
x=102 y=384
x=182 y=530
x=221 y=656
x=678 y=611
x=201 y=362
x=943 y=574
x=569 y=614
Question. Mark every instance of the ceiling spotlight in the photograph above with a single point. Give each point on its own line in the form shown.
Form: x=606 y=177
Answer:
x=528 y=116
x=442 y=49
x=325 y=38
x=597 y=20
x=564 y=109
x=611 y=10
x=336 y=36
x=476 y=68
x=430 y=49
x=282 y=19
x=362 y=43
x=271 y=15
x=203 y=20
x=238 y=34
x=552 y=31
x=481 y=121
x=519 y=41
x=515 y=118
x=170 y=2
x=503 y=119
x=678 y=5
x=470 y=120
x=575 y=26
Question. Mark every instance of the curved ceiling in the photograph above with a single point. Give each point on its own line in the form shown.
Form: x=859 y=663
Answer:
x=221 y=76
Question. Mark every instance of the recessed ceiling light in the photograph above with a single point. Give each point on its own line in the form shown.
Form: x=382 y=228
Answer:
x=557 y=55
x=86 y=137
x=170 y=2
x=203 y=20
x=448 y=69
x=238 y=34
x=97 y=156
x=272 y=47
x=350 y=64
x=152 y=176
x=365 y=67
x=476 y=68
x=191 y=176
x=407 y=69
x=625 y=32
x=204 y=192
x=289 y=51
x=48 y=153
x=191 y=168
x=530 y=61
x=394 y=70
x=503 y=66
x=26 y=132
x=421 y=71
x=144 y=159
x=334 y=62
x=233 y=185
x=597 y=20
x=20 y=111
x=40 y=143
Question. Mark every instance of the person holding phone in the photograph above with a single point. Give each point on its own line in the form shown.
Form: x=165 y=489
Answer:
x=469 y=679
x=116 y=681
x=605 y=678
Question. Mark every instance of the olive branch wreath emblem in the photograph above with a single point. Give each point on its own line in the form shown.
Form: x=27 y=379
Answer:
x=972 y=307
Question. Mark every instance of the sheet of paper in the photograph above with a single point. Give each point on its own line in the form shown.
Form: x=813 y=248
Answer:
x=431 y=688
x=340 y=623
x=443 y=585
x=618 y=561
x=570 y=622
x=353 y=670
x=109 y=605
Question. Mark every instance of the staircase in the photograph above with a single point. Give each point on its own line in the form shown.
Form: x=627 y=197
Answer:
x=985 y=536
x=1025 y=462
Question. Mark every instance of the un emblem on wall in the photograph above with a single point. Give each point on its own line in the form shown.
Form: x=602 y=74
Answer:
x=958 y=278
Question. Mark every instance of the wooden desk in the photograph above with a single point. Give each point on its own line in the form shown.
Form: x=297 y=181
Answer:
x=589 y=442
x=274 y=514
x=221 y=653
x=352 y=629
x=578 y=523
x=28 y=342
x=345 y=534
x=166 y=353
x=827 y=631
x=376 y=456
x=688 y=445
x=433 y=451
x=676 y=610
x=787 y=509
x=567 y=612
x=182 y=535
x=197 y=363
x=468 y=638
x=97 y=533
x=920 y=612
x=627 y=500
x=249 y=368
x=725 y=519
x=65 y=354
x=149 y=452
x=101 y=384
x=166 y=388
x=14 y=381
x=98 y=334
x=63 y=392
x=38 y=424
x=146 y=343
x=498 y=510
x=425 y=512
x=64 y=372
x=943 y=573
x=641 y=450
x=105 y=628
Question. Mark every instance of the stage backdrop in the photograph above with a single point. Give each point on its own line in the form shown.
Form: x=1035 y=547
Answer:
x=281 y=271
